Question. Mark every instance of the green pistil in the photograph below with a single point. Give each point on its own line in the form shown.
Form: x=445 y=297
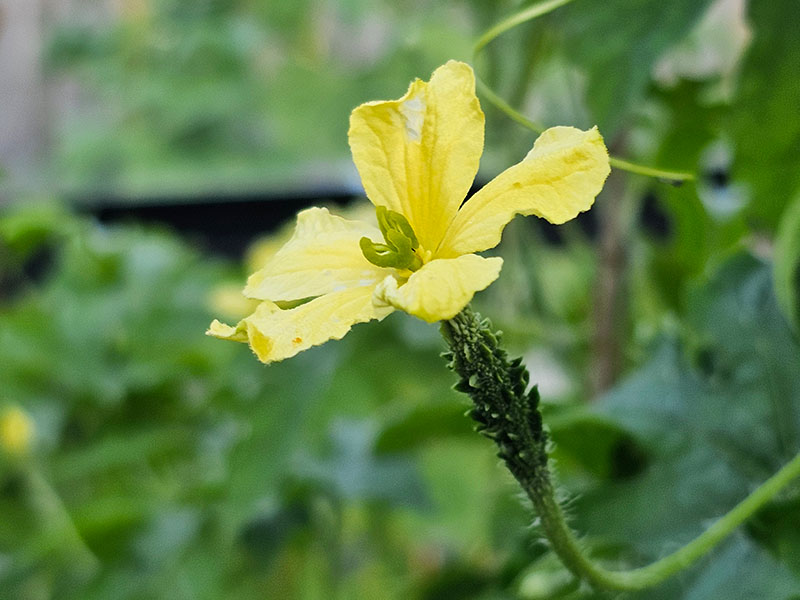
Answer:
x=399 y=251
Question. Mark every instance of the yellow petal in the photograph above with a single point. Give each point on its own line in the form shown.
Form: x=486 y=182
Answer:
x=275 y=334
x=441 y=288
x=226 y=332
x=558 y=179
x=419 y=155
x=322 y=256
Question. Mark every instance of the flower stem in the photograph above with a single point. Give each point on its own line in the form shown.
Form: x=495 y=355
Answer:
x=510 y=416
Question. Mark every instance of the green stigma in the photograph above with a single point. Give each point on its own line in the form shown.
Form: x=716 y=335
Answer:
x=399 y=250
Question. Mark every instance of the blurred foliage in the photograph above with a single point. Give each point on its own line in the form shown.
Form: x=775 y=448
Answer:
x=716 y=412
x=166 y=464
x=159 y=463
x=243 y=95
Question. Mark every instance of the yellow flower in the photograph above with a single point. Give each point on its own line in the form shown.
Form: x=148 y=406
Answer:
x=16 y=431
x=417 y=157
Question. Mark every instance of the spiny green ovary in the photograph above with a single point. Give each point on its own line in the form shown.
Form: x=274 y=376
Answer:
x=502 y=409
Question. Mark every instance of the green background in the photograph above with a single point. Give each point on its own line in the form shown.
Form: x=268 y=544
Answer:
x=166 y=464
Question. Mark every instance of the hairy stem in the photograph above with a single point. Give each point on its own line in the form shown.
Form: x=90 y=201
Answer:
x=510 y=416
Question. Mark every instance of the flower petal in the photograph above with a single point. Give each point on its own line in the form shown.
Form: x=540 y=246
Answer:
x=275 y=334
x=227 y=332
x=559 y=178
x=322 y=256
x=441 y=288
x=419 y=155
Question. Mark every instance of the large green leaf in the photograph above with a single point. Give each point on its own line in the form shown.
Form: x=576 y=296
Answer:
x=718 y=414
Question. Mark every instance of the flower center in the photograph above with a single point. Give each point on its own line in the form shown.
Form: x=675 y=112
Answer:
x=400 y=249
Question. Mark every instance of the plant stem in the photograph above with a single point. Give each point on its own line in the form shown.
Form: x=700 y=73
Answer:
x=608 y=307
x=527 y=14
x=510 y=416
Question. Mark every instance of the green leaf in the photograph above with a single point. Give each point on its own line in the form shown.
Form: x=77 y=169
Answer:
x=741 y=570
x=117 y=451
x=423 y=425
x=596 y=444
x=352 y=470
x=787 y=264
x=267 y=534
x=618 y=42
x=718 y=414
x=765 y=121
x=777 y=527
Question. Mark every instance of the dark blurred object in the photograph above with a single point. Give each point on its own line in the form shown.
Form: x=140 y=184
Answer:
x=222 y=224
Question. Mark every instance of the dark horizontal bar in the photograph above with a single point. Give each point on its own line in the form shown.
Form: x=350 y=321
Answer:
x=228 y=223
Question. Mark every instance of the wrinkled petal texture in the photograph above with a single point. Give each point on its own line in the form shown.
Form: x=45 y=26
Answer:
x=441 y=288
x=274 y=334
x=419 y=155
x=322 y=256
x=558 y=179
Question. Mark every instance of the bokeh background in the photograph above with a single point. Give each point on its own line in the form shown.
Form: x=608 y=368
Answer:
x=153 y=153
